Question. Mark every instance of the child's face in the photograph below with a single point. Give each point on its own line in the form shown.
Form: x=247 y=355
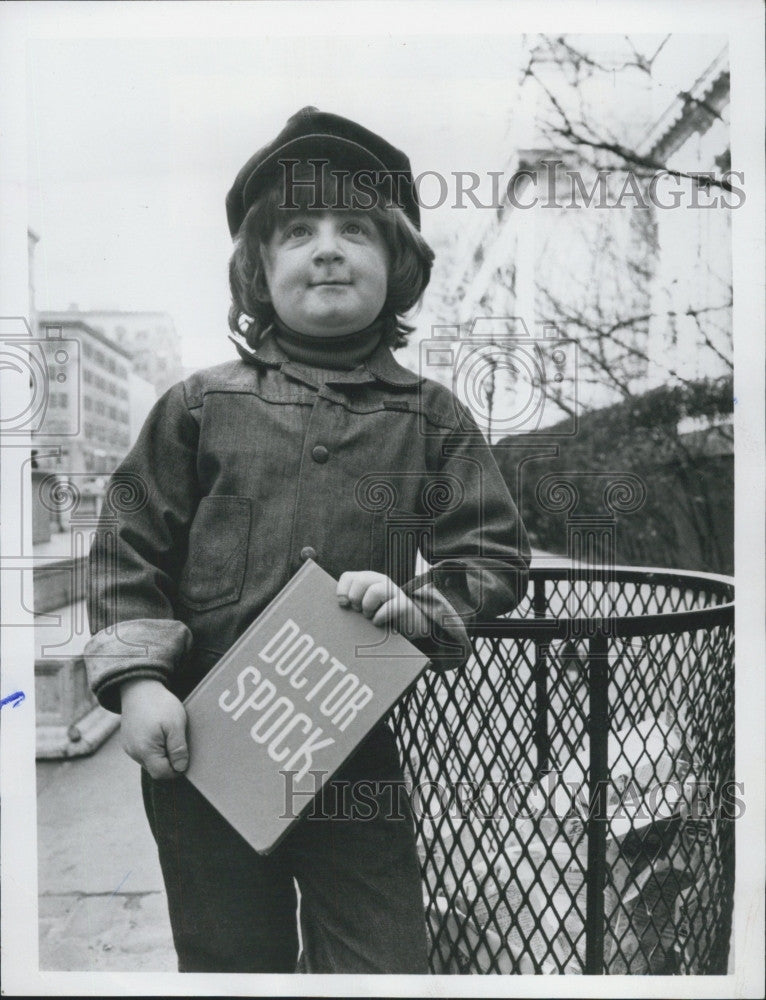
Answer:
x=327 y=271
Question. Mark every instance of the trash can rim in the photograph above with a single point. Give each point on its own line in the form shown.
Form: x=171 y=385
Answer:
x=565 y=569
x=623 y=626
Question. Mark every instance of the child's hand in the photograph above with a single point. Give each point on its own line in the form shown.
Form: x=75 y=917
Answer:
x=379 y=599
x=154 y=727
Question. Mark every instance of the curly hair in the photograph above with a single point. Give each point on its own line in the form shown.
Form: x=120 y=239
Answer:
x=410 y=256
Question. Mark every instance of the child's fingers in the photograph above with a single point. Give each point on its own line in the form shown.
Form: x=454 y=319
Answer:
x=178 y=757
x=175 y=743
x=353 y=586
x=154 y=729
x=341 y=590
x=158 y=765
x=357 y=591
x=387 y=613
x=376 y=595
x=402 y=615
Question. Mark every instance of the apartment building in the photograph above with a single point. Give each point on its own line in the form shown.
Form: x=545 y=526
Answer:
x=88 y=423
x=149 y=337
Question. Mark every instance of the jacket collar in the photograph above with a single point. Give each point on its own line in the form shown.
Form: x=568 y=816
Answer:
x=380 y=366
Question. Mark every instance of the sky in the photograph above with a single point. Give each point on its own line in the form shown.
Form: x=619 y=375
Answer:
x=134 y=135
x=133 y=144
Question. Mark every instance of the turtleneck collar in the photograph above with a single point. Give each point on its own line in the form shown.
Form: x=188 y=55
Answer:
x=344 y=353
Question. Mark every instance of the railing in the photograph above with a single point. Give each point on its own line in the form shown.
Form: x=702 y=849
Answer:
x=573 y=785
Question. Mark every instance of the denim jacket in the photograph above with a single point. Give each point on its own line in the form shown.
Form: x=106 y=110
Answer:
x=246 y=469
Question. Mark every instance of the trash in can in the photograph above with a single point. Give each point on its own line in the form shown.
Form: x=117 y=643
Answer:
x=569 y=877
x=532 y=901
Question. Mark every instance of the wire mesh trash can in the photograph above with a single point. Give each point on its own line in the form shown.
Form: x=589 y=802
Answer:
x=573 y=786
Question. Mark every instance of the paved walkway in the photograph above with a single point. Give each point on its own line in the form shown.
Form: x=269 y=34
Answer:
x=101 y=899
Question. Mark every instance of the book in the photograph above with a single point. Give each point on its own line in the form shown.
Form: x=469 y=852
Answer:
x=286 y=706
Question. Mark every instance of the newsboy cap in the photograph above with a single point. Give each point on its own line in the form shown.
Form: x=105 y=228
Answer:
x=314 y=134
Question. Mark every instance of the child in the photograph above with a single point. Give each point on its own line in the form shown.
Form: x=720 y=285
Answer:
x=300 y=449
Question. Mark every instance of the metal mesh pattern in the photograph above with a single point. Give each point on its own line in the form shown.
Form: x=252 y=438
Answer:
x=567 y=783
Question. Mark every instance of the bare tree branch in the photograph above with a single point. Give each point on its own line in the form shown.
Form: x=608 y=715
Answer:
x=605 y=333
x=581 y=135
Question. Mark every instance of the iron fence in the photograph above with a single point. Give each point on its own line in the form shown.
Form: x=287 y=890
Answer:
x=573 y=786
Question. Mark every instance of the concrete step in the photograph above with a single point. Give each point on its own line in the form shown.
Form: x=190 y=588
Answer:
x=70 y=722
x=60 y=570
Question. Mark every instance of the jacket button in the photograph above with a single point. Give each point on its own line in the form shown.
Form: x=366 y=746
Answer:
x=320 y=454
x=308 y=553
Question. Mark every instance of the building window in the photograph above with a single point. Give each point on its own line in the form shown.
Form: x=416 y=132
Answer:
x=87 y=376
x=99 y=358
x=87 y=350
x=87 y=403
x=99 y=406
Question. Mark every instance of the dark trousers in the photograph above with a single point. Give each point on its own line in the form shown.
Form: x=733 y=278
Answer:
x=354 y=860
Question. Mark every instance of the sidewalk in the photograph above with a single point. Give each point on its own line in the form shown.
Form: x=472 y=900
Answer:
x=101 y=899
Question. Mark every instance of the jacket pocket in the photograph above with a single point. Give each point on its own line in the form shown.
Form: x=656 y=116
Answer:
x=218 y=542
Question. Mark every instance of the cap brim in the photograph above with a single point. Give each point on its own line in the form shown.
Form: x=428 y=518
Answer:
x=339 y=151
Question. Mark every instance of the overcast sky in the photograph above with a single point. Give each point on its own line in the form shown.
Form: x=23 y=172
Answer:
x=139 y=117
x=134 y=143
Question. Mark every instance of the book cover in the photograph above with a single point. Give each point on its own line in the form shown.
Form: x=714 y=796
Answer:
x=295 y=695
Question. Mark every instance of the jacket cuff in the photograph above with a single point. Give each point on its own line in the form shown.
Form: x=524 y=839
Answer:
x=142 y=647
x=448 y=646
